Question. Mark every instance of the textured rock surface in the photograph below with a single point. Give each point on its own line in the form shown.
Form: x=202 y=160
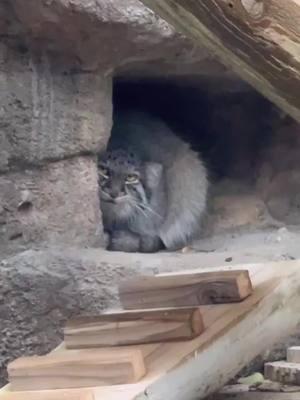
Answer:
x=231 y=211
x=47 y=113
x=106 y=34
x=55 y=204
x=279 y=173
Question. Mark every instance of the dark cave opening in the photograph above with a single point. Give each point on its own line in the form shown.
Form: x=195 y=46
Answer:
x=229 y=129
x=250 y=149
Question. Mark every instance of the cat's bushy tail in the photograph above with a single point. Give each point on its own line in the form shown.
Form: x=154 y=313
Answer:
x=187 y=192
x=186 y=177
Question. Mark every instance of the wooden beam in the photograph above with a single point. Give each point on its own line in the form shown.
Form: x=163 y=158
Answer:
x=283 y=371
x=258 y=39
x=293 y=354
x=77 y=368
x=86 y=394
x=180 y=290
x=133 y=327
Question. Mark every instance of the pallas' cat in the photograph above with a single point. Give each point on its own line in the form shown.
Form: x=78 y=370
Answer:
x=153 y=187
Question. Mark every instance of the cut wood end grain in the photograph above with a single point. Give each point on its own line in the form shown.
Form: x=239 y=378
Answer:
x=283 y=371
x=185 y=290
x=293 y=354
x=244 y=284
x=134 y=327
x=77 y=368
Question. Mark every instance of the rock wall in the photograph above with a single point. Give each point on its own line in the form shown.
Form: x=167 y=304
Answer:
x=53 y=122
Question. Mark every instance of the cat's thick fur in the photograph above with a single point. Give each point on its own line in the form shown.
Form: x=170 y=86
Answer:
x=185 y=178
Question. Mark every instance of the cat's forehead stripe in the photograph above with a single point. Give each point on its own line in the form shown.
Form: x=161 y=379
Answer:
x=120 y=158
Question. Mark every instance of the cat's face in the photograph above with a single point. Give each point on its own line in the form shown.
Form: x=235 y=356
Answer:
x=121 y=181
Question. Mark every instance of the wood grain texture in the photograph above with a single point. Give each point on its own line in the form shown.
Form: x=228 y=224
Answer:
x=77 y=368
x=179 y=290
x=133 y=327
x=293 y=354
x=258 y=39
x=283 y=371
x=67 y=394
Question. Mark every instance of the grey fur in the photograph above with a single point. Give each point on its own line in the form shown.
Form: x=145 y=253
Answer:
x=174 y=178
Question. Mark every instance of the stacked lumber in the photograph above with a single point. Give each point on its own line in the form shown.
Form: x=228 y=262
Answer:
x=114 y=348
x=198 y=367
x=134 y=327
x=178 y=290
x=77 y=368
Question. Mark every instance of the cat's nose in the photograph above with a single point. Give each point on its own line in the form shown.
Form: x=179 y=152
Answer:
x=114 y=193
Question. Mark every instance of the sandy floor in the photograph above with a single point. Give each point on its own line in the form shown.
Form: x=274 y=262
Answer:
x=249 y=247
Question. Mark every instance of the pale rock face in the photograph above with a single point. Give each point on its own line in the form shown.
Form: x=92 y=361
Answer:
x=108 y=35
x=47 y=113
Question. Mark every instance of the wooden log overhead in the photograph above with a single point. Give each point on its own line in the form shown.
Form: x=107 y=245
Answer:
x=258 y=39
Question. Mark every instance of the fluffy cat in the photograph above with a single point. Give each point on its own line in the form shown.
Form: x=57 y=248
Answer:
x=153 y=187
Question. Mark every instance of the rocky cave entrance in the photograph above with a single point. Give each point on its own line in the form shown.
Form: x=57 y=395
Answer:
x=251 y=150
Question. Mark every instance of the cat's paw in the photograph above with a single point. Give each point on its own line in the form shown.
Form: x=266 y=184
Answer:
x=124 y=241
x=150 y=244
x=106 y=239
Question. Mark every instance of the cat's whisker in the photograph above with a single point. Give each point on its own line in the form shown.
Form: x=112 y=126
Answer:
x=139 y=208
x=150 y=210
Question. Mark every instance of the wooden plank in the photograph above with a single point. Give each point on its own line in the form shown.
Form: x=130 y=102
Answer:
x=293 y=354
x=283 y=371
x=86 y=394
x=77 y=368
x=257 y=39
x=133 y=327
x=194 y=369
x=179 y=290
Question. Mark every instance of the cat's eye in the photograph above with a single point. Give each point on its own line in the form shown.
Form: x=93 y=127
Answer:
x=132 y=178
x=103 y=172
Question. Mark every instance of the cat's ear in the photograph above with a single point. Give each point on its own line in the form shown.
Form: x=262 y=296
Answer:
x=153 y=174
